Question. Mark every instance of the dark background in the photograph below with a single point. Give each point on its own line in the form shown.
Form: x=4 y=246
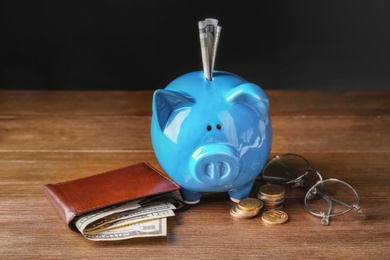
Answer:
x=120 y=45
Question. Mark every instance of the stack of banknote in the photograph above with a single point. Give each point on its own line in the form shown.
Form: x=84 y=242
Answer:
x=125 y=221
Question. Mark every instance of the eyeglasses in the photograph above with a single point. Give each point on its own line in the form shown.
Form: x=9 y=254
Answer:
x=324 y=198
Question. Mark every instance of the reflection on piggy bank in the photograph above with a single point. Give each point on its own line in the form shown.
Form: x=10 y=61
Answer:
x=211 y=136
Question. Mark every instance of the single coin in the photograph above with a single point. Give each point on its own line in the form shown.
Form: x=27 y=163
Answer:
x=250 y=204
x=274 y=217
x=271 y=191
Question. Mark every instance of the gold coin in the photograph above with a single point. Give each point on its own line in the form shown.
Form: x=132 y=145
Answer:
x=237 y=213
x=271 y=191
x=247 y=212
x=274 y=217
x=273 y=200
x=250 y=204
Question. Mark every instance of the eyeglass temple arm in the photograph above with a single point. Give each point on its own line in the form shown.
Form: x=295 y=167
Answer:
x=355 y=206
x=325 y=218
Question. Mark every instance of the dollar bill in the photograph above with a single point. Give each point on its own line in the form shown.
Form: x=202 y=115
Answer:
x=209 y=34
x=151 y=228
x=88 y=218
x=130 y=216
x=126 y=221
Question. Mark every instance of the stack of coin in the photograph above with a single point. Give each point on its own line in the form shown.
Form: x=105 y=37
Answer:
x=272 y=195
x=246 y=208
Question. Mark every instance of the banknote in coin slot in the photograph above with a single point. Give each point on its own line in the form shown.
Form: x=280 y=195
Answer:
x=209 y=33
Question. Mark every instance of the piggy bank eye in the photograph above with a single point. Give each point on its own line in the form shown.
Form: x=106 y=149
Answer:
x=209 y=127
x=219 y=126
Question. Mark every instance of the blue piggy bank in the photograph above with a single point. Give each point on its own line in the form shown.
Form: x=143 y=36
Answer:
x=211 y=136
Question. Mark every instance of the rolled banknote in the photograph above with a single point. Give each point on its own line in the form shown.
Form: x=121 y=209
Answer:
x=209 y=33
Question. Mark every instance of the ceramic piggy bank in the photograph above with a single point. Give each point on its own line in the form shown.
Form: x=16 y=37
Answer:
x=211 y=135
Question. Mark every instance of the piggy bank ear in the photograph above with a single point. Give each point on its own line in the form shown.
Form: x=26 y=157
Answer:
x=250 y=95
x=166 y=101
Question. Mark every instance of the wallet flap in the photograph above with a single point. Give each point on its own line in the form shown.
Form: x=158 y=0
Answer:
x=76 y=197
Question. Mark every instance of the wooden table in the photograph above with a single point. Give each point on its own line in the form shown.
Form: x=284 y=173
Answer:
x=50 y=137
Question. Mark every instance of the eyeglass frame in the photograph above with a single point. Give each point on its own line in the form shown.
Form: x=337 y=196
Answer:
x=299 y=182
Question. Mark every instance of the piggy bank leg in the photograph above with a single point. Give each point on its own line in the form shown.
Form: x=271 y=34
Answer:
x=241 y=193
x=190 y=197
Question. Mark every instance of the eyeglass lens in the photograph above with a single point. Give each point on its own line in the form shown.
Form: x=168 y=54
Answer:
x=331 y=197
x=288 y=168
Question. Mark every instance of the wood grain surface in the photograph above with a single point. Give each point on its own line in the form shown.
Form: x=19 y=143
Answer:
x=55 y=136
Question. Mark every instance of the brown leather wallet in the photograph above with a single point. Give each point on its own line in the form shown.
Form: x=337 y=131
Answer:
x=77 y=197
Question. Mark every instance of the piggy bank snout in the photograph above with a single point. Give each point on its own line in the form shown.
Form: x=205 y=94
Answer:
x=215 y=164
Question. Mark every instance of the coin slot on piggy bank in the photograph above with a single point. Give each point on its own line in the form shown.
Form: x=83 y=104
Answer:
x=211 y=133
